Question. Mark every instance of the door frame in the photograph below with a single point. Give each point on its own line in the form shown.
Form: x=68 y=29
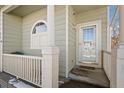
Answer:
x=1 y=41
x=98 y=40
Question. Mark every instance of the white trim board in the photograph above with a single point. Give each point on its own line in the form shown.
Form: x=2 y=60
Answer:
x=67 y=10
x=1 y=41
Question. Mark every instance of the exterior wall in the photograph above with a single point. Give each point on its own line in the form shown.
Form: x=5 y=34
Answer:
x=12 y=34
x=92 y=15
x=71 y=39
x=28 y=22
x=0 y=24
x=14 y=44
x=41 y=14
x=60 y=27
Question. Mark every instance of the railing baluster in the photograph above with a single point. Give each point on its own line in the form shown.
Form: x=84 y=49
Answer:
x=23 y=67
x=30 y=69
x=26 y=68
x=40 y=72
x=36 y=70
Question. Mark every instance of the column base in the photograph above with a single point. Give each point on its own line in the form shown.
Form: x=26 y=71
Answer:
x=50 y=67
x=120 y=66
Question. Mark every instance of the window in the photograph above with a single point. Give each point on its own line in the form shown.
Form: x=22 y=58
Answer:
x=89 y=43
x=111 y=10
x=39 y=27
x=89 y=33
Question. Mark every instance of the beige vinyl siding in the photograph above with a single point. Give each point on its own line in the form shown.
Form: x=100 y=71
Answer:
x=92 y=15
x=60 y=37
x=0 y=25
x=12 y=33
x=28 y=22
x=41 y=14
x=71 y=39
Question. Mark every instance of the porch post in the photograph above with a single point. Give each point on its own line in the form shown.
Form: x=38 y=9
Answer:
x=1 y=40
x=121 y=23
x=120 y=51
x=50 y=54
x=50 y=23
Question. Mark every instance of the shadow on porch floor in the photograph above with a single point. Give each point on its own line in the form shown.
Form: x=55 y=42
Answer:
x=68 y=82
x=4 y=81
x=4 y=78
x=78 y=84
x=95 y=76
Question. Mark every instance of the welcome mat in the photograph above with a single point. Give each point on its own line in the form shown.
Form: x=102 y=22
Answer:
x=80 y=72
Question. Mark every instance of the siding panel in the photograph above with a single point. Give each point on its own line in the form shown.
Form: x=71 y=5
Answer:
x=92 y=15
x=12 y=33
x=71 y=39
x=41 y=14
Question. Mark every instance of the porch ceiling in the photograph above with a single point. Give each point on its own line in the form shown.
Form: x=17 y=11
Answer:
x=26 y=9
x=83 y=8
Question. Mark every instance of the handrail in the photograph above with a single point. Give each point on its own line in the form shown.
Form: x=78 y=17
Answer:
x=104 y=51
x=25 y=56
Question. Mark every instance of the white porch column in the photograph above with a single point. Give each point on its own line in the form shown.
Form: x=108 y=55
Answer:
x=51 y=26
x=120 y=51
x=121 y=23
x=1 y=41
x=50 y=54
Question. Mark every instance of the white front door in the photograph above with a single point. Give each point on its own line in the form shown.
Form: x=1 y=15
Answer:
x=89 y=44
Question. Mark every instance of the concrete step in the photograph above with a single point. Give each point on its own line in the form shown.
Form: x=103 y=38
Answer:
x=95 y=76
x=88 y=80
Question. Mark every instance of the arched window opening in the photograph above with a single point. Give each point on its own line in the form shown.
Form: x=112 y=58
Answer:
x=39 y=27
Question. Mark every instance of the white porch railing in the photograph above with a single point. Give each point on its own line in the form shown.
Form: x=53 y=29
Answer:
x=28 y=68
x=107 y=63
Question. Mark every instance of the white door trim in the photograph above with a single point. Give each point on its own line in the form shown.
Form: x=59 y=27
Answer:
x=98 y=38
x=67 y=10
x=1 y=41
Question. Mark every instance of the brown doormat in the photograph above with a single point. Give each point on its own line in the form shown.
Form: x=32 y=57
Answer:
x=80 y=72
x=86 y=67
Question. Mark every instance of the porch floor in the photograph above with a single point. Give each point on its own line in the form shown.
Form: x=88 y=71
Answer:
x=78 y=84
x=4 y=81
x=4 y=78
x=90 y=75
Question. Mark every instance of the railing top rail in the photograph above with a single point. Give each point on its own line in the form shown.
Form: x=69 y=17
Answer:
x=107 y=52
x=24 y=56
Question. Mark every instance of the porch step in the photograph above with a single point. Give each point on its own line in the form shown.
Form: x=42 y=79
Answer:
x=90 y=75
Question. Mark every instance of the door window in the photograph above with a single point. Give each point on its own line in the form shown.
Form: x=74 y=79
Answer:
x=88 y=44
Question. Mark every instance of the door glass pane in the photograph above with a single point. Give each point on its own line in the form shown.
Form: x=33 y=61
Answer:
x=88 y=51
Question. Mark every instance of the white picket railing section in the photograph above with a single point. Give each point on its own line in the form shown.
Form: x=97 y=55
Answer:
x=107 y=63
x=28 y=68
